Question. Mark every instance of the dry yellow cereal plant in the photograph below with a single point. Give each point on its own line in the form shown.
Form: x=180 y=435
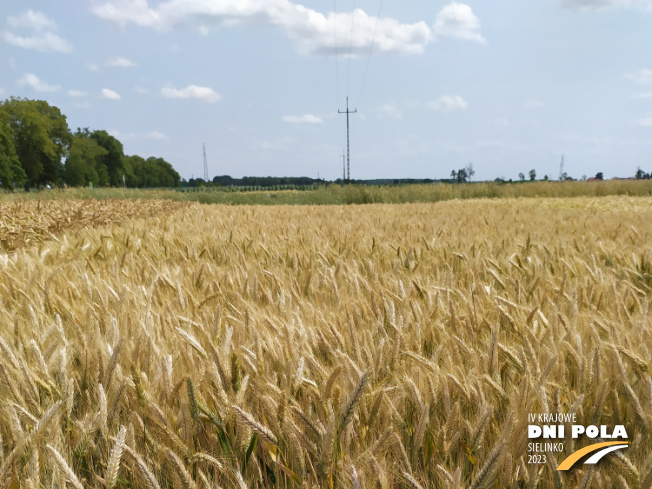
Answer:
x=165 y=345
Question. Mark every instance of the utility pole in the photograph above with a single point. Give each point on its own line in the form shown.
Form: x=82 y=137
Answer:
x=343 y=167
x=348 y=154
x=205 y=165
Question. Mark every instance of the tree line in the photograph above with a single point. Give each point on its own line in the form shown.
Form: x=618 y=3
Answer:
x=37 y=148
x=227 y=181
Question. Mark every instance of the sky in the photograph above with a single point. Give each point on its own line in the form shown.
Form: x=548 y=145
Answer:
x=507 y=85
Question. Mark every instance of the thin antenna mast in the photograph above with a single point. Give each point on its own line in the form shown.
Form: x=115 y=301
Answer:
x=348 y=153
x=205 y=165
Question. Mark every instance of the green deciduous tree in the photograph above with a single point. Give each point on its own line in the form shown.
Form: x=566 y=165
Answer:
x=34 y=139
x=40 y=136
x=11 y=173
x=134 y=169
x=85 y=161
x=114 y=157
x=460 y=175
x=150 y=172
x=469 y=170
x=164 y=175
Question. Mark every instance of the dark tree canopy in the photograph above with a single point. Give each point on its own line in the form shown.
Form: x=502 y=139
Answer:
x=38 y=148
x=150 y=172
x=113 y=159
x=41 y=138
x=460 y=175
x=85 y=162
x=11 y=171
x=227 y=181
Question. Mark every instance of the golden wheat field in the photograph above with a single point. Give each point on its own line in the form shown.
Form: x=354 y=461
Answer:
x=375 y=346
x=27 y=222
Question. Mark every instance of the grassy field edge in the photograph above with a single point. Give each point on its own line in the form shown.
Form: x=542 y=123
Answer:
x=356 y=194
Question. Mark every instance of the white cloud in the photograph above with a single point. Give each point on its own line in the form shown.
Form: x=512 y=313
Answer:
x=156 y=135
x=36 y=21
x=32 y=81
x=314 y=32
x=586 y=5
x=641 y=76
x=644 y=95
x=645 y=122
x=192 y=91
x=93 y=67
x=448 y=103
x=109 y=94
x=390 y=110
x=303 y=119
x=457 y=20
x=43 y=42
x=120 y=62
x=76 y=93
x=83 y=105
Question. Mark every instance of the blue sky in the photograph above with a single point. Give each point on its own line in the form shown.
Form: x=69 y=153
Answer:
x=507 y=85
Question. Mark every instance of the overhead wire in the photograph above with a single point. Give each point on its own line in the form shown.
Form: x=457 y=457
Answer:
x=348 y=76
x=350 y=54
x=337 y=71
x=371 y=47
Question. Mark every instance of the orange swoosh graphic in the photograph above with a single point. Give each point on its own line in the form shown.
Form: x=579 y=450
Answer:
x=575 y=456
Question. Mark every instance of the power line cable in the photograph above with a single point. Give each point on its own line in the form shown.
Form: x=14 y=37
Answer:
x=348 y=76
x=337 y=70
x=371 y=47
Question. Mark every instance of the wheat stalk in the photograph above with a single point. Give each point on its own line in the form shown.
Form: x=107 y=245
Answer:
x=256 y=427
x=145 y=472
x=346 y=413
x=411 y=481
x=65 y=468
x=180 y=469
x=482 y=479
x=114 y=458
x=132 y=325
